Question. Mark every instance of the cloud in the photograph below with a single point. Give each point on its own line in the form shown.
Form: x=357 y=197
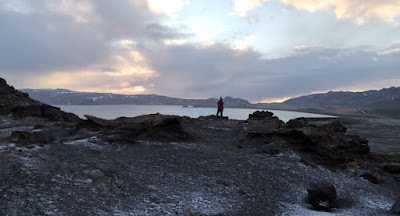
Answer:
x=214 y=70
x=125 y=71
x=360 y=11
x=81 y=11
x=175 y=42
x=308 y=48
x=82 y=45
x=244 y=42
x=169 y=8
x=393 y=49
x=156 y=31
x=241 y=7
x=70 y=35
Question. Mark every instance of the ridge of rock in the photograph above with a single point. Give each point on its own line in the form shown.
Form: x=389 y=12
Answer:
x=20 y=105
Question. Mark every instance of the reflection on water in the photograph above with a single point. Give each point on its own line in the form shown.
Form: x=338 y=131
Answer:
x=115 y=111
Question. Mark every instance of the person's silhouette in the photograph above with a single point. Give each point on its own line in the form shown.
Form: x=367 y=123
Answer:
x=220 y=106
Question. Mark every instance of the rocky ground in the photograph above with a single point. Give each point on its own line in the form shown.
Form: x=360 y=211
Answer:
x=170 y=165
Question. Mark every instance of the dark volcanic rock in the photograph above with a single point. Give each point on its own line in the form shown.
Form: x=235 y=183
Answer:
x=166 y=128
x=369 y=177
x=392 y=168
x=19 y=105
x=258 y=115
x=322 y=146
x=262 y=124
x=154 y=127
x=214 y=117
x=26 y=138
x=396 y=207
x=55 y=114
x=322 y=196
x=297 y=123
x=102 y=122
x=334 y=127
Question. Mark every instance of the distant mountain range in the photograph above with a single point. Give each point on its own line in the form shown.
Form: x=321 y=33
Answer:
x=388 y=97
x=68 y=97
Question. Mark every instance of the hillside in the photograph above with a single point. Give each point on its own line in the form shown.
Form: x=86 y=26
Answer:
x=68 y=97
x=385 y=96
x=18 y=104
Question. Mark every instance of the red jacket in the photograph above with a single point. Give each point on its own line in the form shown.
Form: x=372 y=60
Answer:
x=220 y=105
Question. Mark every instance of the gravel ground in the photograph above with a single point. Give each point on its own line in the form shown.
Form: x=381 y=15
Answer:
x=87 y=177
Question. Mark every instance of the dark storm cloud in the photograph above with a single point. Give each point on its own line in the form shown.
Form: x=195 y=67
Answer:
x=190 y=71
x=42 y=40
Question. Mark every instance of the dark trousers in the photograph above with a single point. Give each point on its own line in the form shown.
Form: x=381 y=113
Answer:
x=219 y=111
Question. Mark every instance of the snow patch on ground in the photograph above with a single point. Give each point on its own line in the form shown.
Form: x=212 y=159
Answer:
x=7 y=131
x=84 y=143
x=7 y=146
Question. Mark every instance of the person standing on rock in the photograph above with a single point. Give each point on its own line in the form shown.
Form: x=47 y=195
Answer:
x=220 y=106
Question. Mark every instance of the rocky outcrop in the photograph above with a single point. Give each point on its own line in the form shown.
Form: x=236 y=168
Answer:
x=153 y=127
x=214 y=117
x=327 y=144
x=297 y=123
x=392 y=168
x=262 y=123
x=260 y=115
x=26 y=138
x=20 y=105
x=334 y=127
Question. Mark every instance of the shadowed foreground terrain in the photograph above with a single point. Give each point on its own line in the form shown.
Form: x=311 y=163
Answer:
x=170 y=165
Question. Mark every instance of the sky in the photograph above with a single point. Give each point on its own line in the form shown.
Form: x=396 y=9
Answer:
x=259 y=50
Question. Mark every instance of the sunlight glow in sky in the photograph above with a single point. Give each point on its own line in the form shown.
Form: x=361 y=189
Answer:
x=260 y=50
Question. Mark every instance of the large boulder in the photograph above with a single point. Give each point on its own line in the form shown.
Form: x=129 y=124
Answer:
x=322 y=196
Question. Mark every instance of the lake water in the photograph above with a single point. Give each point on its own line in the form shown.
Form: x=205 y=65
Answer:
x=115 y=111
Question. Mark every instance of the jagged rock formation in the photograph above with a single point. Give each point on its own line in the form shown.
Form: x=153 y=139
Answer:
x=128 y=130
x=20 y=105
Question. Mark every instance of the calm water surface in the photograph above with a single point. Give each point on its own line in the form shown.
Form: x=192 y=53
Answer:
x=115 y=111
